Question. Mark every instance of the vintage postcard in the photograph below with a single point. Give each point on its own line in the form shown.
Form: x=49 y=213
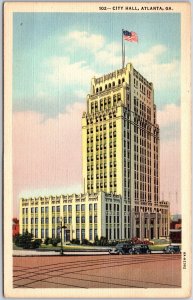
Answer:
x=97 y=150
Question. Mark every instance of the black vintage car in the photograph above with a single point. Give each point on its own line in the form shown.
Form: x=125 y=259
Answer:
x=122 y=248
x=141 y=249
x=171 y=249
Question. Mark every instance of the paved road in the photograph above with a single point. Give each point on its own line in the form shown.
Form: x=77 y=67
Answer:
x=140 y=271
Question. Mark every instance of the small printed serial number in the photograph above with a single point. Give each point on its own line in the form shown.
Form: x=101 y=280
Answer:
x=184 y=260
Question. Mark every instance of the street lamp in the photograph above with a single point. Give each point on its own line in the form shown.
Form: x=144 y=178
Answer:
x=62 y=227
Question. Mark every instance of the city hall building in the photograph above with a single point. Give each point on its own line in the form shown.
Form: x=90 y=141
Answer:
x=120 y=169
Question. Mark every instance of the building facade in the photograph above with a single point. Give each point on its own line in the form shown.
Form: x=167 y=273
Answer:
x=15 y=227
x=120 y=161
x=85 y=216
x=121 y=150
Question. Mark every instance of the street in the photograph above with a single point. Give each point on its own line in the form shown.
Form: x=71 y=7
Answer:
x=102 y=271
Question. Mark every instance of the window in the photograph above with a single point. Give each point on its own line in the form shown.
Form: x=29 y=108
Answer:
x=77 y=219
x=46 y=233
x=65 y=220
x=90 y=219
x=53 y=220
x=95 y=233
x=82 y=219
x=82 y=207
x=90 y=234
x=58 y=219
x=36 y=233
x=95 y=219
x=78 y=234
x=32 y=220
x=53 y=233
x=46 y=209
x=23 y=210
x=26 y=220
x=69 y=220
x=58 y=208
x=95 y=206
x=36 y=220
x=53 y=208
x=42 y=220
x=58 y=231
x=46 y=220
x=32 y=210
x=42 y=233
x=83 y=234
x=90 y=206
x=23 y=221
x=77 y=207
x=42 y=209
x=36 y=210
x=65 y=208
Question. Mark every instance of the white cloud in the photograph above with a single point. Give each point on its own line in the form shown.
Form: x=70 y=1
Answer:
x=108 y=53
x=83 y=39
x=63 y=72
x=163 y=75
x=169 y=115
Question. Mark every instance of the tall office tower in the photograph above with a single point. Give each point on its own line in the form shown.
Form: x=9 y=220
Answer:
x=120 y=151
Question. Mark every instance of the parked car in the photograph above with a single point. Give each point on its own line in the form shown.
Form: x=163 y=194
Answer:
x=171 y=249
x=122 y=248
x=141 y=249
x=114 y=251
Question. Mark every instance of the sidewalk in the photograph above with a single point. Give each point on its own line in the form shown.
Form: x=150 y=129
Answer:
x=56 y=253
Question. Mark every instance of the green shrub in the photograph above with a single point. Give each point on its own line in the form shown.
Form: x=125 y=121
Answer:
x=55 y=241
x=26 y=241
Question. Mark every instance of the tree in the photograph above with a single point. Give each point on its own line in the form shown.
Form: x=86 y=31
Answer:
x=26 y=241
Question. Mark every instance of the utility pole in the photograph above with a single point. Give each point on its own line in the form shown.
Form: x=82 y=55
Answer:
x=62 y=227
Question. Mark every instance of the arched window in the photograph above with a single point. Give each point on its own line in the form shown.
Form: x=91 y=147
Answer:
x=123 y=80
x=105 y=86
x=119 y=81
x=97 y=90
x=109 y=85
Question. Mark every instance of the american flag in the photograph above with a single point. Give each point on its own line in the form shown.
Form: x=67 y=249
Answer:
x=130 y=36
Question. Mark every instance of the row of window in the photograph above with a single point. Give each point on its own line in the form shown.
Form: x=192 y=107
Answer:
x=100 y=118
x=102 y=185
x=58 y=220
x=110 y=219
x=57 y=208
x=45 y=233
x=110 y=206
x=108 y=86
x=102 y=166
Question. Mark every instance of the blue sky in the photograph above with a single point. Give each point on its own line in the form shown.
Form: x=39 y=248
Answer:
x=56 y=54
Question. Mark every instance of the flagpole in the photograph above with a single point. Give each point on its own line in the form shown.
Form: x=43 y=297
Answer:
x=123 y=51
